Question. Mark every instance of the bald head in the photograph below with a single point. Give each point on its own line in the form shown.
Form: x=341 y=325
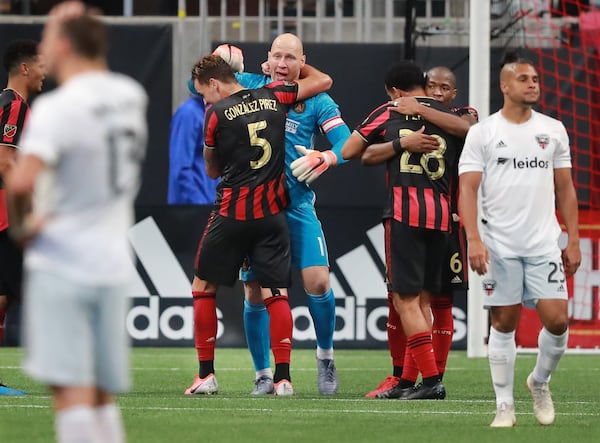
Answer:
x=289 y=42
x=286 y=58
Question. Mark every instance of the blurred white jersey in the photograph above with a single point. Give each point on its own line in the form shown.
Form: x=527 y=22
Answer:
x=517 y=187
x=91 y=134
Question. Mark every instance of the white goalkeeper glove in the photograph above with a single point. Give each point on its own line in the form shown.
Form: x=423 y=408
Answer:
x=232 y=55
x=312 y=164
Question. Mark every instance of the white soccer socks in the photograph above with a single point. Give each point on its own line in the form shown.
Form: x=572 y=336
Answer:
x=502 y=352
x=551 y=349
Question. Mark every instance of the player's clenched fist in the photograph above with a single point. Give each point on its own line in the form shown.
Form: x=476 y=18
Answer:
x=312 y=163
x=232 y=55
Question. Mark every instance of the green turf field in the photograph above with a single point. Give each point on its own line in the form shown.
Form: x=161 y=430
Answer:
x=157 y=411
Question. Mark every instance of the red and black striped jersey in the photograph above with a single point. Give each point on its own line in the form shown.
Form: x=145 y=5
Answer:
x=247 y=132
x=418 y=184
x=13 y=114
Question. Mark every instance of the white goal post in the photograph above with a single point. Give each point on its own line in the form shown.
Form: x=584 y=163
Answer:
x=479 y=98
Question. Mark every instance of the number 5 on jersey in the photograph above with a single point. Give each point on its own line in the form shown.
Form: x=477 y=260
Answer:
x=260 y=142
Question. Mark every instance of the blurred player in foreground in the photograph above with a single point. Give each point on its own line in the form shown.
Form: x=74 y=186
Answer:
x=81 y=156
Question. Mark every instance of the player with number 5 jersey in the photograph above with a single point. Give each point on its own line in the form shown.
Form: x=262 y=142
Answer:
x=245 y=145
x=306 y=118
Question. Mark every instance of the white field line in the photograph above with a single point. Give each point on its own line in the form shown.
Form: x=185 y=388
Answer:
x=132 y=397
x=307 y=411
x=342 y=369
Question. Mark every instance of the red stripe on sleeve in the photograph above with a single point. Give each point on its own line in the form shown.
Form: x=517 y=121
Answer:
x=286 y=92
x=240 y=203
x=211 y=126
x=374 y=124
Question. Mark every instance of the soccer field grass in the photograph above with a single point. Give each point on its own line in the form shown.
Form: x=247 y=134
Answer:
x=157 y=411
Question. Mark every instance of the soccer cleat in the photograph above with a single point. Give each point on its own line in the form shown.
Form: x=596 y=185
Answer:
x=543 y=408
x=5 y=390
x=388 y=383
x=397 y=392
x=327 y=379
x=207 y=385
x=283 y=388
x=263 y=386
x=423 y=392
x=505 y=416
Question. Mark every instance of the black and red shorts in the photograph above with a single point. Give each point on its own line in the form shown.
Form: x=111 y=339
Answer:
x=455 y=276
x=226 y=242
x=414 y=258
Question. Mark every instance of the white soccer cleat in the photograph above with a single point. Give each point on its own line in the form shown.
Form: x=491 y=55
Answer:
x=327 y=379
x=207 y=385
x=505 y=416
x=263 y=386
x=543 y=408
x=284 y=388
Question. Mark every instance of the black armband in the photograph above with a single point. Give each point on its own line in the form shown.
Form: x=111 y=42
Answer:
x=397 y=146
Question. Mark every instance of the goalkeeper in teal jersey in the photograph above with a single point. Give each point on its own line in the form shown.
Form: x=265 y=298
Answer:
x=309 y=250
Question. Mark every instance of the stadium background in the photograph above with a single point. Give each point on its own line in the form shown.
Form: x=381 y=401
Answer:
x=349 y=197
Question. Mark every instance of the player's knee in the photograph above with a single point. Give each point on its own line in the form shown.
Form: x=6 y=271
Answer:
x=317 y=285
x=252 y=292
x=316 y=280
x=558 y=324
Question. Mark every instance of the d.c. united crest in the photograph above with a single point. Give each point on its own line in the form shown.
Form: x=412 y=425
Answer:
x=543 y=140
x=489 y=286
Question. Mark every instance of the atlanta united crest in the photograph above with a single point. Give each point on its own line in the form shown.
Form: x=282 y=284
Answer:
x=543 y=140
x=489 y=286
x=299 y=107
x=9 y=131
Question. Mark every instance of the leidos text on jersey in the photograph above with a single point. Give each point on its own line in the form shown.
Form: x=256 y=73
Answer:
x=530 y=164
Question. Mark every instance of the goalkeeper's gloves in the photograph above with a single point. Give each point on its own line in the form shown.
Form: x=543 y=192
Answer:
x=312 y=164
x=232 y=55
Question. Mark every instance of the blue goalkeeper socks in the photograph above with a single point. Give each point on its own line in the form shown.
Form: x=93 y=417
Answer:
x=256 y=328
x=322 y=311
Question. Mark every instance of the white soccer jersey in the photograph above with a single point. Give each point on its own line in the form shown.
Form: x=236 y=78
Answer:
x=91 y=134
x=517 y=187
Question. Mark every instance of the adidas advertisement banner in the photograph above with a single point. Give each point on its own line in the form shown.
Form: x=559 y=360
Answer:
x=164 y=241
